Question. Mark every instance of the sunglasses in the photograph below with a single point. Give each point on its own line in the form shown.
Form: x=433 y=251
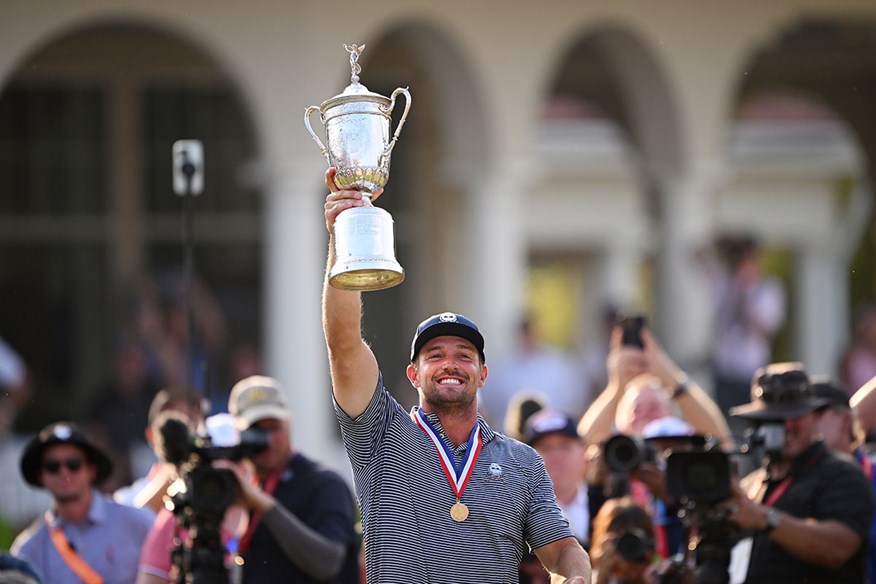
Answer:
x=73 y=464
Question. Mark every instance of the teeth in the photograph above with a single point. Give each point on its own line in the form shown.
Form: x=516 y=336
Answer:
x=450 y=381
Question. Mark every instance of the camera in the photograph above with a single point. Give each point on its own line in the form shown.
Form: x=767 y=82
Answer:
x=207 y=492
x=767 y=438
x=624 y=453
x=634 y=546
x=698 y=476
x=700 y=479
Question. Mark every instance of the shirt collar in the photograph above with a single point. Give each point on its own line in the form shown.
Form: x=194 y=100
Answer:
x=487 y=433
x=97 y=512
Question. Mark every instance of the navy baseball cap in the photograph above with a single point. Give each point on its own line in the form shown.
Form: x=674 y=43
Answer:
x=447 y=324
x=545 y=422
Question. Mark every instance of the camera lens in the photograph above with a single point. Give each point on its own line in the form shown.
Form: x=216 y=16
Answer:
x=632 y=547
x=624 y=453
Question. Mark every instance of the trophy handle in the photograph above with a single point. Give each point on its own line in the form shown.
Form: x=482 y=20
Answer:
x=401 y=122
x=309 y=112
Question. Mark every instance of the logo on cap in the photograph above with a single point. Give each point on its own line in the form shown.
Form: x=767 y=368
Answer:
x=62 y=432
x=447 y=317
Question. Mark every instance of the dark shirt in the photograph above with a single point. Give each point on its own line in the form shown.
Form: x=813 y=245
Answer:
x=321 y=499
x=823 y=486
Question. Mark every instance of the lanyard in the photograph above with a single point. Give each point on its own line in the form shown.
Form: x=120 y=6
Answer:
x=73 y=560
x=269 y=487
x=457 y=476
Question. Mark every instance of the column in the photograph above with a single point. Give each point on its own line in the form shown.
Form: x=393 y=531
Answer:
x=295 y=250
x=821 y=290
x=497 y=253
x=683 y=301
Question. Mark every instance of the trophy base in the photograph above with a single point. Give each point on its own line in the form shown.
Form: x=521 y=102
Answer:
x=365 y=278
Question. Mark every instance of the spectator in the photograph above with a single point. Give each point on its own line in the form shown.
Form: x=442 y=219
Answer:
x=472 y=524
x=859 y=362
x=14 y=386
x=301 y=526
x=645 y=385
x=808 y=510
x=555 y=437
x=523 y=405
x=120 y=411
x=623 y=543
x=838 y=426
x=149 y=490
x=85 y=535
x=535 y=367
x=16 y=571
x=749 y=312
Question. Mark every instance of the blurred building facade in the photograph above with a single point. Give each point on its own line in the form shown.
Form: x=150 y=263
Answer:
x=612 y=141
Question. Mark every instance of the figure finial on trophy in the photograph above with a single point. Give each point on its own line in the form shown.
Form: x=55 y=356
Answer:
x=355 y=51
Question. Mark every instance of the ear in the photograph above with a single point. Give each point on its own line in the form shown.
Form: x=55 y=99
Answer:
x=484 y=372
x=411 y=372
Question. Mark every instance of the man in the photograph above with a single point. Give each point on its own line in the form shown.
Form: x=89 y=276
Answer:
x=149 y=490
x=301 y=526
x=85 y=537
x=839 y=428
x=555 y=437
x=444 y=498
x=809 y=509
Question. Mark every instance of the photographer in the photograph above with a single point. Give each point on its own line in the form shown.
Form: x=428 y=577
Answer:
x=645 y=384
x=809 y=510
x=623 y=543
x=301 y=515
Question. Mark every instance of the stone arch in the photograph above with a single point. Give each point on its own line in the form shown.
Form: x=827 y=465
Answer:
x=610 y=84
x=818 y=74
x=111 y=215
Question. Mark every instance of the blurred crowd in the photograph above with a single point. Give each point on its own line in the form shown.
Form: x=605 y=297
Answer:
x=768 y=478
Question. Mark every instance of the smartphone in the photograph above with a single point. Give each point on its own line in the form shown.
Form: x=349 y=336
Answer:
x=632 y=328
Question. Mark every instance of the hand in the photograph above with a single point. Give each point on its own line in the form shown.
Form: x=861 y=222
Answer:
x=609 y=560
x=623 y=362
x=338 y=200
x=743 y=511
x=250 y=496
x=660 y=364
x=654 y=479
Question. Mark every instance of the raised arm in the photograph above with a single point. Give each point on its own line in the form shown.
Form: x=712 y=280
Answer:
x=623 y=364
x=863 y=403
x=697 y=408
x=353 y=365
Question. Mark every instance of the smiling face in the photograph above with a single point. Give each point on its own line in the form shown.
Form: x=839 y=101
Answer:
x=447 y=374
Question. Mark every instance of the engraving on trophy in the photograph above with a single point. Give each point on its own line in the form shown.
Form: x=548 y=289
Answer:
x=357 y=130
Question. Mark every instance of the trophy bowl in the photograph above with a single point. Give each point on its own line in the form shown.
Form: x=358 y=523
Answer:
x=357 y=131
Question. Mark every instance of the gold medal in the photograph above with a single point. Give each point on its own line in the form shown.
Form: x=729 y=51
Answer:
x=459 y=512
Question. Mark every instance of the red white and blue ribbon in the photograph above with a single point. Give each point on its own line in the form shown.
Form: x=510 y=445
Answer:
x=457 y=476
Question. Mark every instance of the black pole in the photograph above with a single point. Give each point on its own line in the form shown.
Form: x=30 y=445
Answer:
x=188 y=233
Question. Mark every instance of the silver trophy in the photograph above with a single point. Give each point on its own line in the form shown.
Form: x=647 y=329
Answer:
x=357 y=124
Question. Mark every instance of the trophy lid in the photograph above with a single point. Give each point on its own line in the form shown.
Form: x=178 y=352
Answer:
x=355 y=91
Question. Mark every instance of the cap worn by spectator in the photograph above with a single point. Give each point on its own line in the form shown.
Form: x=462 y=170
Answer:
x=62 y=433
x=257 y=398
x=779 y=391
x=447 y=324
x=547 y=422
x=667 y=427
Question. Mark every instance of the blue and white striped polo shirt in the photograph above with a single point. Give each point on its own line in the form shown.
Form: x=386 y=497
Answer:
x=406 y=500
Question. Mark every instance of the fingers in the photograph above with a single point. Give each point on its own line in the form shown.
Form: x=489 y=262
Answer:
x=330 y=173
